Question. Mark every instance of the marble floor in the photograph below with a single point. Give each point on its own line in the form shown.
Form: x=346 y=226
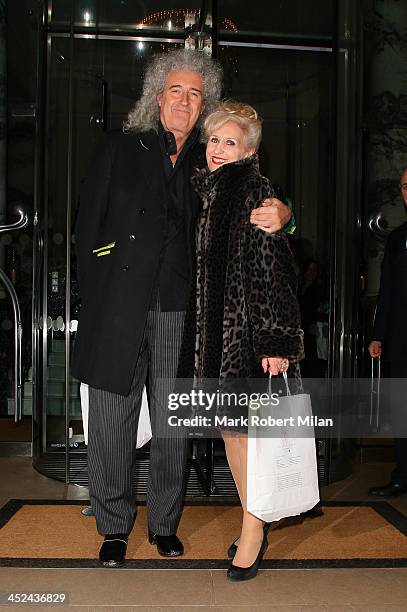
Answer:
x=372 y=590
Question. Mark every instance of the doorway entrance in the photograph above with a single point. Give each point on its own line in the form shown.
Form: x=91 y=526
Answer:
x=91 y=59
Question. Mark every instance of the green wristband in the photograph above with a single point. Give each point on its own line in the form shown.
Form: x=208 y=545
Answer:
x=290 y=227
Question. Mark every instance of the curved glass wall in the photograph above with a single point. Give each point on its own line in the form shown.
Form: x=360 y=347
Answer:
x=18 y=131
x=283 y=58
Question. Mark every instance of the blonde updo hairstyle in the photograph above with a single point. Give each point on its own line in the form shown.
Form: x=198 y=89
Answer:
x=243 y=114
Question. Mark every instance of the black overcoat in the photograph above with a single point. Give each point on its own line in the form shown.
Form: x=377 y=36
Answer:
x=390 y=325
x=119 y=234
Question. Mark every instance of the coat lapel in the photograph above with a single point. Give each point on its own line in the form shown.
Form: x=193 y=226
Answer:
x=149 y=160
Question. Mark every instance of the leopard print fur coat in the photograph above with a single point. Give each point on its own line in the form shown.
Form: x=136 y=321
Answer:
x=243 y=305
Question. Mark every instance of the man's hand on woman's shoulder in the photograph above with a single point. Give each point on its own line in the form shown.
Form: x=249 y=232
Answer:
x=272 y=216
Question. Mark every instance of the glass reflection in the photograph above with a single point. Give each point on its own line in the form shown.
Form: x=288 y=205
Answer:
x=298 y=17
x=165 y=15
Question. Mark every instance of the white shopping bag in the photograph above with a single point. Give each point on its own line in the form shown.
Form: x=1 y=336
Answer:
x=282 y=477
x=144 y=433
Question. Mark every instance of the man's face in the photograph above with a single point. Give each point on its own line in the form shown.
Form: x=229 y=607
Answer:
x=403 y=187
x=181 y=102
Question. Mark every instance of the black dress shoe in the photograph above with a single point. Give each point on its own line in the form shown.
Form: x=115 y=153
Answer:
x=167 y=546
x=238 y=574
x=313 y=512
x=390 y=490
x=113 y=550
x=232 y=550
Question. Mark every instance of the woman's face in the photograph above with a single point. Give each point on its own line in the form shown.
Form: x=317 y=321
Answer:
x=226 y=145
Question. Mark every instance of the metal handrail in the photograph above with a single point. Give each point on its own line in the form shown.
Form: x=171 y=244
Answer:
x=378 y=226
x=19 y=224
x=18 y=328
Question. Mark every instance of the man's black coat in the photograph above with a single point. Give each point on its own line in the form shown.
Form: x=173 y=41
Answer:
x=119 y=235
x=390 y=325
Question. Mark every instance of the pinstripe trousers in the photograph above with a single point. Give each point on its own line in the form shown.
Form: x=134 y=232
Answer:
x=113 y=421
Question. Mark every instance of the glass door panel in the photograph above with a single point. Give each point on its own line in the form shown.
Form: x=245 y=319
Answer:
x=55 y=243
x=292 y=91
x=91 y=86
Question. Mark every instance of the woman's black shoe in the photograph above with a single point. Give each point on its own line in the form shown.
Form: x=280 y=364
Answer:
x=113 y=550
x=232 y=550
x=238 y=574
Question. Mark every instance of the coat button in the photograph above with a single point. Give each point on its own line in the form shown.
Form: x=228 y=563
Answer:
x=132 y=237
x=125 y=268
x=141 y=211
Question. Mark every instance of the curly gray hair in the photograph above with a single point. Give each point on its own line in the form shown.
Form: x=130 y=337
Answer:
x=146 y=113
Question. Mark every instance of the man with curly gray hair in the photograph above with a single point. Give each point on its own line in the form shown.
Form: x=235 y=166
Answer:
x=135 y=246
x=145 y=115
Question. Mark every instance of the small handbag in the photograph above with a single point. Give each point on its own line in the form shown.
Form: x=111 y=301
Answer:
x=282 y=476
x=144 y=433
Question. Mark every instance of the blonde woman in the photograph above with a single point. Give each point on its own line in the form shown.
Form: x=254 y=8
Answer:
x=244 y=318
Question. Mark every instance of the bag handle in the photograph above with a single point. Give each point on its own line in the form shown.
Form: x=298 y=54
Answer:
x=285 y=380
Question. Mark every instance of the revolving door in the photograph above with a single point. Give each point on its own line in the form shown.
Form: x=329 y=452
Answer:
x=91 y=61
